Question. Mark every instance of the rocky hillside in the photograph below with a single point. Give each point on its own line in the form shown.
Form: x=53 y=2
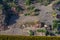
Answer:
x=12 y=8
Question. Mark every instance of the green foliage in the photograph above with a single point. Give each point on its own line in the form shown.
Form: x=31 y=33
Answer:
x=30 y=10
x=36 y=10
x=56 y=32
x=40 y=1
x=12 y=4
x=30 y=7
x=27 y=14
x=31 y=32
x=45 y=2
x=41 y=30
x=58 y=2
x=27 y=2
x=55 y=23
x=18 y=8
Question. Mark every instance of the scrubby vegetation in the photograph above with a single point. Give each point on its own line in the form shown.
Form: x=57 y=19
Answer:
x=9 y=9
x=55 y=24
x=45 y=2
x=2 y=37
x=41 y=30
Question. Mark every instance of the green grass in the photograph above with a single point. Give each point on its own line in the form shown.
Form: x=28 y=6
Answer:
x=6 y=37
